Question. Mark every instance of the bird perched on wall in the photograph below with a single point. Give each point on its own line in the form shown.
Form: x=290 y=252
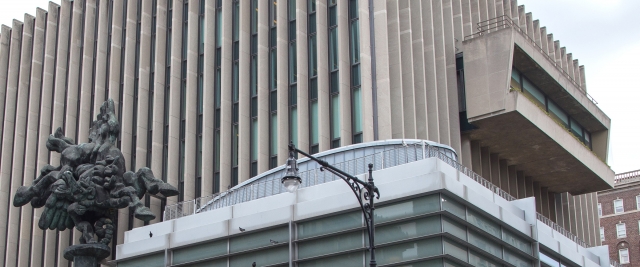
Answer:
x=150 y=234
x=273 y=242
x=253 y=264
x=241 y=229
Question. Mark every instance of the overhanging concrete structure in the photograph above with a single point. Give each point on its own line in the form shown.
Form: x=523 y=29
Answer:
x=511 y=124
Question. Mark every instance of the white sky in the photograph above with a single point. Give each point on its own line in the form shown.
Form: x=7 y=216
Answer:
x=602 y=34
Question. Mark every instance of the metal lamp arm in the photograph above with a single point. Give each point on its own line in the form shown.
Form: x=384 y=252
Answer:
x=328 y=166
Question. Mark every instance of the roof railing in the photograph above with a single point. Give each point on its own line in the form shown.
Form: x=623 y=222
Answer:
x=626 y=177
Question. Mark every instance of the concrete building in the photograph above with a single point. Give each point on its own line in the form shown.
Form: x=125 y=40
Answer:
x=619 y=218
x=432 y=211
x=209 y=94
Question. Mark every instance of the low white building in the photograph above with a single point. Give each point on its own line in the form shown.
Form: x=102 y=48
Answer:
x=432 y=212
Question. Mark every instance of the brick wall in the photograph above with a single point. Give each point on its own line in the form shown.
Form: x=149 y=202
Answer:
x=629 y=217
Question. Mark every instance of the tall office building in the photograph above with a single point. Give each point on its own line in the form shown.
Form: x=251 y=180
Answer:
x=209 y=94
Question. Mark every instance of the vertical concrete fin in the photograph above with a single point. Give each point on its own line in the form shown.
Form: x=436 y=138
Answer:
x=558 y=53
x=420 y=90
x=475 y=15
x=536 y=32
x=522 y=20
x=383 y=73
x=499 y=7
x=576 y=72
x=244 y=98
x=485 y=159
x=282 y=63
x=495 y=169
x=513 y=181
x=551 y=46
x=430 y=73
x=476 y=157
x=515 y=15
x=484 y=10
x=263 y=88
x=395 y=69
x=506 y=5
x=529 y=24
x=323 y=77
x=563 y=59
x=570 y=65
x=544 y=44
x=346 y=131
x=467 y=26
x=504 y=175
x=583 y=80
x=537 y=193
x=405 y=73
x=521 y=184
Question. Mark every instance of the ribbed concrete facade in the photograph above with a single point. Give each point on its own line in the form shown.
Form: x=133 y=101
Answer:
x=209 y=93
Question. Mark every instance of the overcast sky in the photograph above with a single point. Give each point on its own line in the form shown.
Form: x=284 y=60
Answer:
x=602 y=34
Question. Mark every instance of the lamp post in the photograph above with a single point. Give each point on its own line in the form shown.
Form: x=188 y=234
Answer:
x=362 y=190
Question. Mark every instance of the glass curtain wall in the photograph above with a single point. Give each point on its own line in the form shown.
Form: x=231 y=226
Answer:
x=200 y=98
x=273 y=84
x=253 y=84
x=293 y=74
x=217 y=90
x=356 y=91
x=314 y=140
x=334 y=83
x=183 y=96
x=235 y=91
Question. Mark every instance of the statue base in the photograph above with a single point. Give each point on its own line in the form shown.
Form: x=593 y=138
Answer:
x=87 y=255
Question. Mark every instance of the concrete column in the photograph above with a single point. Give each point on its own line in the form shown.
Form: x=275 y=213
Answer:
x=116 y=53
x=593 y=216
x=282 y=64
x=476 y=157
x=506 y=5
x=458 y=32
x=581 y=217
x=225 y=95
x=521 y=184
x=5 y=42
x=430 y=76
x=302 y=55
x=543 y=40
x=513 y=181
x=324 y=116
x=522 y=19
x=442 y=28
x=11 y=98
x=173 y=170
x=515 y=16
x=467 y=27
x=573 y=223
x=570 y=66
x=544 y=192
x=504 y=175
x=529 y=25
x=484 y=10
x=465 y=155
x=537 y=193
x=552 y=206
x=563 y=58
x=583 y=82
x=383 y=72
x=38 y=256
x=475 y=15
x=86 y=73
x=126 y=122
x=557 y=53
x=263 y=88
x=157 y=144
x=499 y=7
x=405 y=73
x=528 y=181
x=48 y=122
x=27 y=234
x=452 y=83
x=564 y=204
x=366 y=84
x=208 y=98
x=536 y=32
x=494 y=160
x=491 y=9
x=15 y=174
x=101 y=56
x=485 y=158
x=395 y=70
x=244 y=105
x=344 y=66
x=191 y=109
x=551 y=46
x=576 y=72
x=142 y=129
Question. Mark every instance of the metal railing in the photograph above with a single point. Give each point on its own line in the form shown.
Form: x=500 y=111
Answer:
x=503 y=22
x=561 y=230
x=381 y=160
x=627 y=177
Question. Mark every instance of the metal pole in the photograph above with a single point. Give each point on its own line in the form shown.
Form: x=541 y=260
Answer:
x=372 y=227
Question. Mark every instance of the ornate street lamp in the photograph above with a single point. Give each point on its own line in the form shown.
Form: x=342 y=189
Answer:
x=362 y=190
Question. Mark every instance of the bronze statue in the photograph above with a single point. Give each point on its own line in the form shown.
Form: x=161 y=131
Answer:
x=87 y=187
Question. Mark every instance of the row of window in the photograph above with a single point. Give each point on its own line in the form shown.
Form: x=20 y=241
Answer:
x=521 y=83
x=621 y=230
x=618 y=206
